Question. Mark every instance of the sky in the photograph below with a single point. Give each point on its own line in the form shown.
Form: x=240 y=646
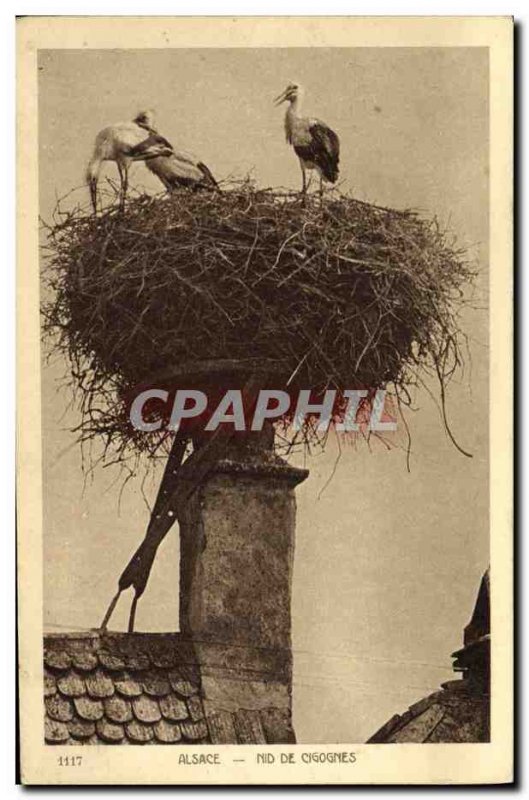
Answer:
x=387 y=562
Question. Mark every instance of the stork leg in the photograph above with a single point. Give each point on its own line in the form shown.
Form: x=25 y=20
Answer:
x=110 y=610
x=92 y=178
x=125 y=183
x=112 y=606
x=304 y=181
x=132 y=615
x=121 y=198
x=321 y=189
x=124 y=180
x=93 y=193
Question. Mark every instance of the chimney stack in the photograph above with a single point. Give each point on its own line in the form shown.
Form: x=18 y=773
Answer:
x=237 y=549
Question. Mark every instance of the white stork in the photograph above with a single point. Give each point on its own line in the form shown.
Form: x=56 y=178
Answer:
x=124 y=143
x=181 y=169
x=315 y=144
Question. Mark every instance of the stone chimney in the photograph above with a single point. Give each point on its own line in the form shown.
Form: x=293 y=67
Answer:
x=237 y=550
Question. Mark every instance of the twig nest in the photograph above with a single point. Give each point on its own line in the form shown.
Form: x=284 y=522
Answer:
x=347 y=294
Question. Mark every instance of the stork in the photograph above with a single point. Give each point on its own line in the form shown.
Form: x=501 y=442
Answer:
x=124 y=143
x=181 y=169
x=316 y=145
x=177 y=168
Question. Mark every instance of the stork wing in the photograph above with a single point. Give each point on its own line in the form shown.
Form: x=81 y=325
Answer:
x=209 y=179
x=180 y=170
x=183 y=157
x=326 y=138
x=186 y=157
x=322 y=150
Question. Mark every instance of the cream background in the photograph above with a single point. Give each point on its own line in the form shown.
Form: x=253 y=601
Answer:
x=376 y=764
x=387 y=563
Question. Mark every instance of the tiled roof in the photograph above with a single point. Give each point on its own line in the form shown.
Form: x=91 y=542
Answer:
x=139 y=689
x=454 y=714
x=102 y=689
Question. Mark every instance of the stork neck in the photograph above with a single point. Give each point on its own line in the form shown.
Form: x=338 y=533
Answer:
x=146 y=127
x=294 y=107
x=93 y=168
x=290 y=119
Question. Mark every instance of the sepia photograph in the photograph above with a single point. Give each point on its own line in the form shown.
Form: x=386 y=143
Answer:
x=262 y=287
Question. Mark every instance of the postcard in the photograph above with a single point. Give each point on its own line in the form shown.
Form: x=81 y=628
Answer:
x=265 y=400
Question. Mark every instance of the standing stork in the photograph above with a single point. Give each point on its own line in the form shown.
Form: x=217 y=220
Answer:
x=124 y=143
x=315 y=144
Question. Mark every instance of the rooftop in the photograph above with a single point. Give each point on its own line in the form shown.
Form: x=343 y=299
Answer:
x=144 y=689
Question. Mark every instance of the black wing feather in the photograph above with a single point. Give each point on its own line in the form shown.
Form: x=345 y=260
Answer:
x=161 y=167
x=139 y=150
x=323 y=150
x=209 y=179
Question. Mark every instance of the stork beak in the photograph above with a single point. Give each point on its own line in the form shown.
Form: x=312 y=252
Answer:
x=280 y=98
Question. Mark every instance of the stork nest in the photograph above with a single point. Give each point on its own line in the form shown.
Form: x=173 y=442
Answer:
x=346 y=293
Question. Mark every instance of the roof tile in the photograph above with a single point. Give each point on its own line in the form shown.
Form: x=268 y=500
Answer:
x=422 y=705
x=71 y=685
x=173 y=709
x=196 y=709
x=139 y=733
x=109 y=731
x=117 y=709
x=140 y=694
x=110 y=661
x=221 y=728
x=420 y=727
x=85 y=662
x=182 y=687
x=55 y=732
x=57 y=660
x=81 y=729
x=90 y=710
x=156 y=686
x=163 y=660
x=167 y=732
x=128 y=687
x=59 y=708
x=99 y=685
x=138 y=661
x=145 y=709
x=194 y=730
x=380 y=737
x=50 y=687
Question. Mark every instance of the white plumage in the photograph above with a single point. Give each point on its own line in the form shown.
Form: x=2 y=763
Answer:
x=138 y=140
x=124 y=143
x=316 y=145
